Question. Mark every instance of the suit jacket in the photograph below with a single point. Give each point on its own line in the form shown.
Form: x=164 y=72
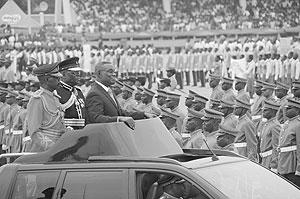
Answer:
x=101 y=108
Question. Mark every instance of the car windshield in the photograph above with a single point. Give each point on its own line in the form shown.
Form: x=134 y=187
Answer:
x=248 y=180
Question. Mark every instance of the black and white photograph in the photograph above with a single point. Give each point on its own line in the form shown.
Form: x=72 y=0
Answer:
x=149 y=99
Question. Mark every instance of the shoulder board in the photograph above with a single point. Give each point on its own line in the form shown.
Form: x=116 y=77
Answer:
x=56 y=94
x=77 y=87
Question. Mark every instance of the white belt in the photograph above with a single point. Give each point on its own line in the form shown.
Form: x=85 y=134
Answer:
x=265 y=154
x=17 y=132
x=288 y=149
x=4 y=147
x=185 y=135
x=27 y=138
x=7 y=131
x=240 y=145
x=256 y=117
x=2 y=126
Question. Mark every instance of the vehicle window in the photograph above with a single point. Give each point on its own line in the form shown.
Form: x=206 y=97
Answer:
x=155 y=185
x=248 y=180
x=32 y=185
x=95 y=185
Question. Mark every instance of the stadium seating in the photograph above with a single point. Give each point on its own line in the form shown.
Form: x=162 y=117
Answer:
x=149 y=15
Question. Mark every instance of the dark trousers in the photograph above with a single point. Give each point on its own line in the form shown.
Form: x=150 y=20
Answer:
x=187 y=78
x=202 y=78
x=149 y=77
x=198 y=76
x=195 y=78
x=178 y=77
x=293 y=178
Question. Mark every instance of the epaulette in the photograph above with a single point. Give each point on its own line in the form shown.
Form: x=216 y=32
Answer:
x=56 y=94
x=77 y=87
x=66 y=86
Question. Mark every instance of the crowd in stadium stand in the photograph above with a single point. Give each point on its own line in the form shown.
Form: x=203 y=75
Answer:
x=137 y=16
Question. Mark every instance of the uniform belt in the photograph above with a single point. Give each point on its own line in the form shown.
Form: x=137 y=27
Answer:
x=4 y=147
x=240 y=145
x=17 y=132
x=288 y=149
x=74 y=122
x=256 y=117
x=2 y=126
x=27 y=138
x=51 y=133
x=7 y=131
x=265 y=154
x=185 y=135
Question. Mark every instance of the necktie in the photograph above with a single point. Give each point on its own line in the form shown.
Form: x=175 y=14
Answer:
x=110 y=92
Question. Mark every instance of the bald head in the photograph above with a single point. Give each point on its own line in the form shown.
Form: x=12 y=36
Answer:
x=105 y=73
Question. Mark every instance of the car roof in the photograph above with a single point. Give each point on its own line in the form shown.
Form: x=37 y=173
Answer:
x=208 y=162
x=107 y=143
x=199 y=158
x=150 y=138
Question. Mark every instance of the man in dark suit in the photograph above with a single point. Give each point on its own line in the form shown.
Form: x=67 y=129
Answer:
x=101 y=104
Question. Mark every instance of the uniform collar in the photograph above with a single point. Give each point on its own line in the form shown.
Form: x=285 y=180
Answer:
x=243 y=117
x=294 y=118
x=66 y=86
x=206 y=134
x=241 y=91
x=172 y=129
x=228 y=116
x=217 y=87
x=271 y=120
x=197 y=131
x=147 y=105
x=229 y=90
x=14 y=105
x=175 y=109
x=54 y=93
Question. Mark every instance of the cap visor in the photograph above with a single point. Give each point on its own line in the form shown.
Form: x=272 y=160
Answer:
x=75 y=69
x=56 y=75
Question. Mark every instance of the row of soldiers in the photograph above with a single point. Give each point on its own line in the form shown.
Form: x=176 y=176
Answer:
x=227 y=120
x=265 y=130
x=53 y=105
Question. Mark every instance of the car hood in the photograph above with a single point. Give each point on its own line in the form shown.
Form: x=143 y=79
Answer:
x=150 y=138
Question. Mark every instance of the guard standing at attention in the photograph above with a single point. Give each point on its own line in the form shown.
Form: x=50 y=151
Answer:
x=71 y=97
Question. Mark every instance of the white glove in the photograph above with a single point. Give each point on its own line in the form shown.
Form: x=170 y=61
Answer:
x=149 y=115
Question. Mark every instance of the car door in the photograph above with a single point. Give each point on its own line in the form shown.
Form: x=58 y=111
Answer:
x=94 y=184
x=156 y=183
x=34 y=184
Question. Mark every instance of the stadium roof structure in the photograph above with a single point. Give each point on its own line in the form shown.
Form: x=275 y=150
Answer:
x=11 y=14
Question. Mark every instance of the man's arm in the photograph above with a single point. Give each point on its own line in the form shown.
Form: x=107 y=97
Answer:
x=135 y=115
x=275 y=141
x=298 y=151
x=251 y=140
x=34 y=114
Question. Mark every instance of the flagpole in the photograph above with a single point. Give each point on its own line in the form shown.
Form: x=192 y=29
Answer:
x=29 y=14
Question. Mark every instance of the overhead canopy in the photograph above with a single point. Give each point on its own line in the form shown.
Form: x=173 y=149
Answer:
x=11 y=14
x=149 y=139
